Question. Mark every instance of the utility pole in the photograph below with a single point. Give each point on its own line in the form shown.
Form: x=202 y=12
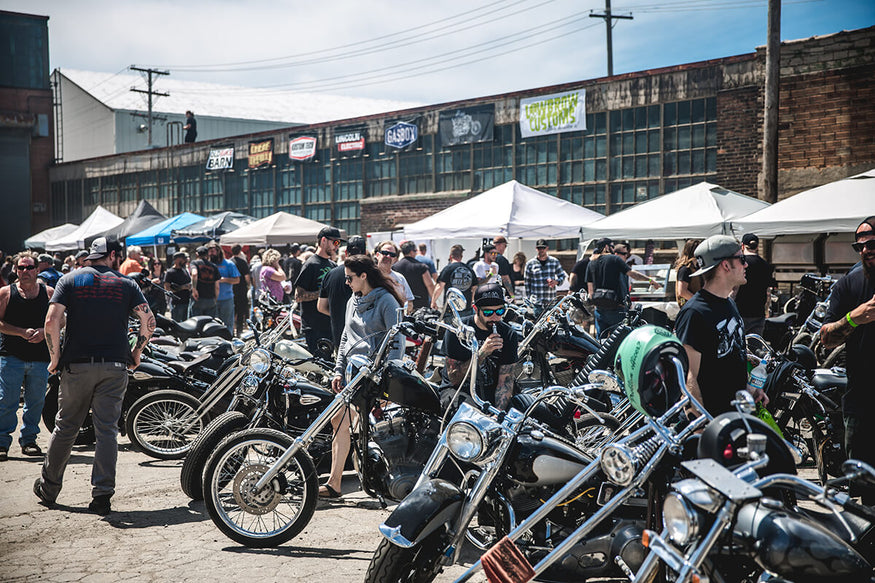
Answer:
x=770 y=117
x=149 y=91
x=608 y=18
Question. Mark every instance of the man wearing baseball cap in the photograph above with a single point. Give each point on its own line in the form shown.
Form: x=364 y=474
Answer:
x=315 y=325
x=335 y=293
x=92 y=304
x=711 y=329
x=543 y=273
x=850 y=318
x=753 y=297
x=497 y=352
x=455 y=274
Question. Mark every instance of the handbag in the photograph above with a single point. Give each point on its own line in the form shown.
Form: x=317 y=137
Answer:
x=606 y=299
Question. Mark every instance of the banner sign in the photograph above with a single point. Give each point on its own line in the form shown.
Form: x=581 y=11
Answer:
x=466 y=126
x=553 y=114
x=260 y=153
x=403 y=134
x=349 y=142
x=221 y=158
x=302 y=148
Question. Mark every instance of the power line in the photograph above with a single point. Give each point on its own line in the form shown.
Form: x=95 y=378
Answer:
x=149 y=92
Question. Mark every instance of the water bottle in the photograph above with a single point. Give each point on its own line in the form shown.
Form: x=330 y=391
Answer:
x=757 y=378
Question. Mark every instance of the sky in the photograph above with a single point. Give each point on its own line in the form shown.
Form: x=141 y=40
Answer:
x=413 y=50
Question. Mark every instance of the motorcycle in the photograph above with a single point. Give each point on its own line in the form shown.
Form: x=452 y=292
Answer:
x=260 y=485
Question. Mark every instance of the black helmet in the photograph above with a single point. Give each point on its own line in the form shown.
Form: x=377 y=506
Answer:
x=803 y=356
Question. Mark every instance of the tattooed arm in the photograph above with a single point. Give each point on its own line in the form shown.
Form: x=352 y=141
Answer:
x=302 y=295
x=504 y=387
x=147 y=327
x=835 y=333
x=54 y=323
x=457 y=370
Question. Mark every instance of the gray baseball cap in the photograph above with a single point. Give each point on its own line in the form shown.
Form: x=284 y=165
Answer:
x=713 y=250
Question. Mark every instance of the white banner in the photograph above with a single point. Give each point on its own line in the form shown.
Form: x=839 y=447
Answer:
x=553 y=114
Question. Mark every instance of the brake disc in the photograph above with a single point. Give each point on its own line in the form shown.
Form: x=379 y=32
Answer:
x=254 y=501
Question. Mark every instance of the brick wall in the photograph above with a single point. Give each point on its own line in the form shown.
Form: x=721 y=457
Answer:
x=389 y=212
x=739 y=153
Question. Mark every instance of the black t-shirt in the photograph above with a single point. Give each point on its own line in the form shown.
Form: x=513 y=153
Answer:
x=609 y=272
x=98 y=302
x=503 y=265
x=176 y=278
x=487 y=375
x=191 y=132
x=459 y=276
x=241 y=286
x=335 y=290
x=849 y=292
x=292 y=267
x=313 y=272
x=713 y=327
x=207 y=276
x=751 y=297
x=412 y=270
x=579 y=270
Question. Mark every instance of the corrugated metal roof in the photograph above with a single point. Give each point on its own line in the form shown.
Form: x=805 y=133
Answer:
x=210 y=99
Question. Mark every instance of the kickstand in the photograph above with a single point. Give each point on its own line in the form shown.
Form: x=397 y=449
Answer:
x=382 y=501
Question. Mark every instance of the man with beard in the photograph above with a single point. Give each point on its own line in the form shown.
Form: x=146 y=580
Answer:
x=711 y=329
x=850 y=315
x=315 y=325
x=204 y=284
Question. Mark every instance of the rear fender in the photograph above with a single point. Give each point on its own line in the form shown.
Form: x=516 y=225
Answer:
x=427 y=508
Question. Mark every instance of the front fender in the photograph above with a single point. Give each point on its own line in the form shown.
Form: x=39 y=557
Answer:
x=425 y=509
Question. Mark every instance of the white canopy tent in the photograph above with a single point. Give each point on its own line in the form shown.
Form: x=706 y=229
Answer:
x=39 y=240
x=837 y=207
x=98 y=221
x=278 y=229
x=697 y=211
x=511 y=209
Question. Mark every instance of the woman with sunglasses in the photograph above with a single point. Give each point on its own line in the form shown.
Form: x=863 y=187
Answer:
x=369 y=313
x=498 y=349
x=386 y=255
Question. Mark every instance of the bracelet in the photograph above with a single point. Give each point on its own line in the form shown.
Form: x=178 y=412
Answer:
x=851 y=322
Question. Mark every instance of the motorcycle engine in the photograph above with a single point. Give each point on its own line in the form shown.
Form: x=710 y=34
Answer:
x=401 y=442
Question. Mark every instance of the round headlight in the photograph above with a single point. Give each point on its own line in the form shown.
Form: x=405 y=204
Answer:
x=355 y=362
x=259 y=361
x=618 y=465
x=820 y=310
x=680 y=520
x=464 y=441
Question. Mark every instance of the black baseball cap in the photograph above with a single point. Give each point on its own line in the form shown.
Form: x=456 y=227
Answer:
x=867 y=221
x=541 y=243
x=202 y=250
x=488 y=247
x=330 y=233
x=750 y=240
x=490 y=294
x=356 y=245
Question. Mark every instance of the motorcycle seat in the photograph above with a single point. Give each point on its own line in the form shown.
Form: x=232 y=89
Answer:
x=825 y=378
x=164 y=341
x=183 y=366
x=787 y=319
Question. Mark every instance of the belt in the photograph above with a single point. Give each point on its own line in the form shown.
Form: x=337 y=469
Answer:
x=96 y=360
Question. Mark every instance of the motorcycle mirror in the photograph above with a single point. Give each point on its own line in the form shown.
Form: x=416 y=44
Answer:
x=757 y=345
x=608 y=380
x=456 y=299
x=744 y=402
x=858 y=470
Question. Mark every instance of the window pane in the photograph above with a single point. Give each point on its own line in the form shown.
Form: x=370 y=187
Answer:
x=589 y=170
x=628 y=167
x=670 y=111
x=711 y=160
x=641 y=118
x=711 y=135
x=711 y=108
x=699 y=136
x=601 y=170
x=640 y=166
x=616 y=121
x=653 y=165
x=640 y=142
x=698 y=110
x=653 y=116
x=669 y=163
x=683 y=137
x=669 y=139
x=683 y=112
x=601 y=146
x=683 y=162
x=653 y=141
x=628 y=119
x=628 y=143
x=698 y=161
x=589 y=146
x=600 y=119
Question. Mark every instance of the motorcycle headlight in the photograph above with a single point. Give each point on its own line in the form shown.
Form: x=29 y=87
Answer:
x=353 y=365
x=820 y=310
x=680 y=520
x=465 y=441
x=618 y=464
x=249 y=385
x=259 y=361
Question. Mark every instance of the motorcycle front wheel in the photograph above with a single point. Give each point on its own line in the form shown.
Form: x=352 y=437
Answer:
x=417 y=564
x=266 y=517
x=162 y=424
x=191 y=477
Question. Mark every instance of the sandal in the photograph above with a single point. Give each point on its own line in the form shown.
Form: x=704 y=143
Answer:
x=326 y=491
x=31 y=449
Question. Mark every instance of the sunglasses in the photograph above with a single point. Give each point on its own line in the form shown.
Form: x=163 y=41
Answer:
x=388 y=253
x=497 y=311
x=335 y=242
x=348 y=278
x=25 y=267
x=867 y=245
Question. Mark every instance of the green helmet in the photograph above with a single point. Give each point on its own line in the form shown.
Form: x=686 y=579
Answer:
x=644 y=365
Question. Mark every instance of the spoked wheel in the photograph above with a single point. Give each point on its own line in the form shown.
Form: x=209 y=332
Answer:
x=259 y=518
x=589 y=432
x=191 y=477
x=50 y=410
x=418 y=564
x=163 y=424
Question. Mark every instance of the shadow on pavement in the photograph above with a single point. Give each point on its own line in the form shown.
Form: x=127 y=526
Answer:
x=149 y=518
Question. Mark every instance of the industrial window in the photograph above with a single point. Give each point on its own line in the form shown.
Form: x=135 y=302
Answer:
x=347 y=178
x=454 y=168
x=128 y=187
x=415 y=168
x=381 y=168
x=583 y=164
x=214 y=192
x=109 y=192
x=690 y=138
x=493 y=161
x=261 y=192
x=289 y=199
x=346 y=217
x=536 y=160
x=316 y=187
x=190 y=189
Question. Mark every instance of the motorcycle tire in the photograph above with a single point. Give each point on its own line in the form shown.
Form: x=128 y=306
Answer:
x=50 y=410
x=273 y=515
x=417 y=564
x=589 y=432
x=835 y=358
x=191 y=476
x=154 y=424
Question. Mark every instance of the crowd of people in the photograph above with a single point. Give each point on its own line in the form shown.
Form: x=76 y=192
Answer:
x=348 y=299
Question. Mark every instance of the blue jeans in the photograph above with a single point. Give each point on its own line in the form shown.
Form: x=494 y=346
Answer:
x=203 y=307
x=225 y=312
x=13 y=373
x=605 y=319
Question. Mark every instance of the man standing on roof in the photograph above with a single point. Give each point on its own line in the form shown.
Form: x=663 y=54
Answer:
x=190 y=127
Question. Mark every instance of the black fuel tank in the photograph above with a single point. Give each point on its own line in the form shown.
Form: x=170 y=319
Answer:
x=409 y=388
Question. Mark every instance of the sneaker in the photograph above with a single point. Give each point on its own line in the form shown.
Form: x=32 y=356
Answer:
x=31 y=449
x=4 y=454
x=38 y=490
x=100 y=505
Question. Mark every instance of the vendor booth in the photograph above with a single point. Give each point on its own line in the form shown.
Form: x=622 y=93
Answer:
x=159 y=234
x=211 y=228
x=278 y=229
x=98 y=221
x=39 y=240
x=144 y=216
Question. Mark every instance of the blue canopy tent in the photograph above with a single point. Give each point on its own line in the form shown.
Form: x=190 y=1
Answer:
x=159 y=234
